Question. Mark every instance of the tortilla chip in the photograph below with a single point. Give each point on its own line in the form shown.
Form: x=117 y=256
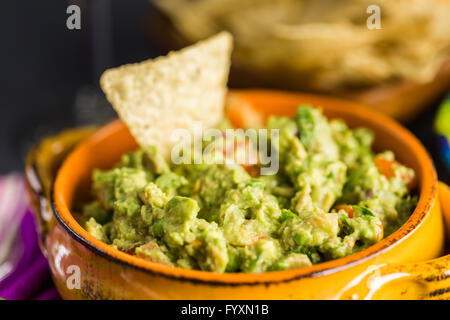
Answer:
x=155 y=97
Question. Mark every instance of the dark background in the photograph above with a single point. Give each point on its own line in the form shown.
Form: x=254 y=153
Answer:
x=50 y=74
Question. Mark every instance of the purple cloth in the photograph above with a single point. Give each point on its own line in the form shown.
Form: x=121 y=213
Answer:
x=30 y=278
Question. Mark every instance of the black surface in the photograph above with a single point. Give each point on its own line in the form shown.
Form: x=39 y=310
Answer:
x=422 y=127
x=50 y=74
x=229 y=309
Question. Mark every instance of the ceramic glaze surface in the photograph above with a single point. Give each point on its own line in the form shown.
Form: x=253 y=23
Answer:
x=392 y=268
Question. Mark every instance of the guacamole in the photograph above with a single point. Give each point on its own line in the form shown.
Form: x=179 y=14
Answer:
x=332 y=196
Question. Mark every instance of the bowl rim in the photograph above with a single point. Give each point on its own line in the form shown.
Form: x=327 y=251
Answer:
x=427 y=193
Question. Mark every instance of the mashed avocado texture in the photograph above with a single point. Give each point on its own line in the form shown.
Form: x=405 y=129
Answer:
x=331 y=197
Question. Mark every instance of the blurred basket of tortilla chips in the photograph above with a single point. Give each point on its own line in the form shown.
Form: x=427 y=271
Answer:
x=325 y=46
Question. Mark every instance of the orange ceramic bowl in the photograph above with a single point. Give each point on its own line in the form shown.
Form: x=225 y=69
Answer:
x=388 y=269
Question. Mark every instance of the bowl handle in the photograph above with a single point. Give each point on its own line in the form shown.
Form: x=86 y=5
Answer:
x=444 y=199
x=423 y=280
x=41 y=165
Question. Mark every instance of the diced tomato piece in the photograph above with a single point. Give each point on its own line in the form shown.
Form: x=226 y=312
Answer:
x=347 y=208
x=385 y=166
x=252 y=170
x=251 y=160
x=256 y=239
